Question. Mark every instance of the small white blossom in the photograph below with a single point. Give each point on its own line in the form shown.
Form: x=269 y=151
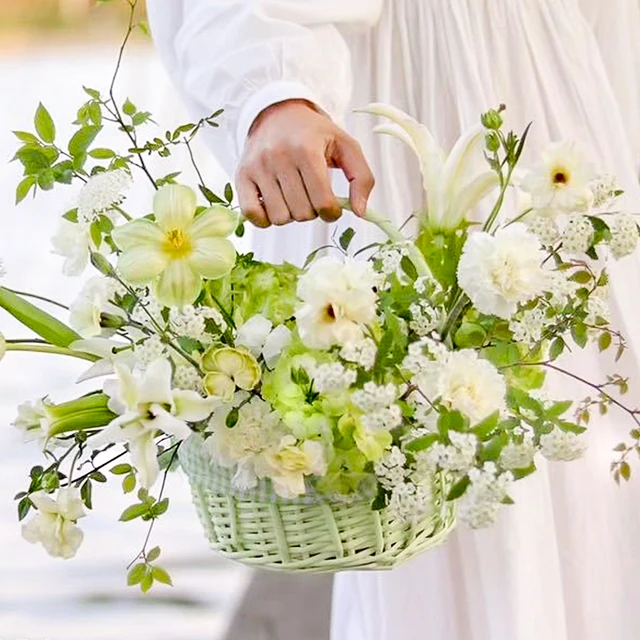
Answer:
x=578 y=235
x=390 y=257
x=459 y=456
x=528 y=328
x=544 y=228
x=382 y=419
x=624 y=235
x=331 y=377
x=518 y=455
x=424 y=355
x=187 y=377
x=373 y=396
x=410 y=502
x=598 y=306
x=361 y=352
x=146 y=308
x=562 y=445
x=391 y=470
x=424 y=318
x=101 y=193
x=500 y=271
x=149 y=351
x=561 y=288
x=55 y=524
x=604 y=189
x=481 y=502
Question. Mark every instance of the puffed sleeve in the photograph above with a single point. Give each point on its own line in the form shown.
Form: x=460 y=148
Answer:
x=244 y=55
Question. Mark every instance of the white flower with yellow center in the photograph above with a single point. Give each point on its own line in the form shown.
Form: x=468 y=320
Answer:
x=561 y=183
x=339 y=300
x=55 y=524
x=179 y=249
x=500 y=272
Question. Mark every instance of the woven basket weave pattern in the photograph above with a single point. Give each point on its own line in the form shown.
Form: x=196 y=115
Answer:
x=317 y=537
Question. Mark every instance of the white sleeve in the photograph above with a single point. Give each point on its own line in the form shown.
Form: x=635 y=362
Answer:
x=244 y=55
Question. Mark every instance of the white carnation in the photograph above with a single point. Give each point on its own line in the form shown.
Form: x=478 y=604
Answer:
x=499 y=272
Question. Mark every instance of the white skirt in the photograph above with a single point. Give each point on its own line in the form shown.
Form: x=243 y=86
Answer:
x=562 y=563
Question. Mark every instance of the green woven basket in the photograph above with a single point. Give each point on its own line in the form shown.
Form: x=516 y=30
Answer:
x=308 y=535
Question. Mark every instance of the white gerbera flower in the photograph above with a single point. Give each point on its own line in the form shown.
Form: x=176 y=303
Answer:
x=338 y=301
x=561 y=181
x=55 y=524
x=466 y=383
x=101 y=193
x=500 y=272
x=147 y=407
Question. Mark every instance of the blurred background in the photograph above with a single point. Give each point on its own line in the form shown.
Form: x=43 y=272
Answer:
x=48 y=50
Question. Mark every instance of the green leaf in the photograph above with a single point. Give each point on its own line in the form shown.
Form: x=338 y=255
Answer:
x=95 y=114
x=161 y=507
x=458 y=489
x=211 y=197
x=129 y=483
x=26 y=137
x=189 y=344
x=144 y=28
x=228 y=193
x=409 y=268
x=559 y=408
x=581 y=277
x=146 y=583
x=34 y=159
x=129 y=108
x=451 y=421
x=44 y=124
x=136 y=574
x=604 y=342
x=625 y=470
x=95 y=94
x=420 y=444
x=22 y=191
x=133 y=512
x=232 y=418
x=346 y=238
x=24 y=506
x=556 y=349
x=82 y=140
x=96 y=233
x=484 y=428
x=98 y=476
x=153 y=555
x=121 y=469
x=141 y=118
x=46 y=180
x=470 y=336
x=86 y=493
x=102 y=154
x=579 y=333
x=160 y=575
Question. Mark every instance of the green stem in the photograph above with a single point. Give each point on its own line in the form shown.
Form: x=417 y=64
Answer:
x=37 y=297
x=47 y=348
x=499 y=202
x=454 y=314
x=394 y=235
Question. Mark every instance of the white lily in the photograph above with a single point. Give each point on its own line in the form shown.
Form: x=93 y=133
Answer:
x=86 y=312
x=179 y=249
x=55 y=524
x=147 y=407
x=110 y=352
x=454 y=185
x=259 y=336
x=73 y=242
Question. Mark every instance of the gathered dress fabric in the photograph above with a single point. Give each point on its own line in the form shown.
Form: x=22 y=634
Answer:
x=562 y=564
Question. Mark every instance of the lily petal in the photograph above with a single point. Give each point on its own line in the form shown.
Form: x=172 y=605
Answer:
x=466 y=160
x=192 y=407
x=133 y=234
x=143 y=263
x=212 y=258
x=155 y=387
x=127 y=391
x=469 y=197
x=215 y=222
x=144 y=456
x=170 y=424
x=43 y=503
x=178 y=285
x=174 y=206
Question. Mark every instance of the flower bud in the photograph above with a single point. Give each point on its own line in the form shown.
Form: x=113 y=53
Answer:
x=492 y=141
x=112 y=321
x=492 y=119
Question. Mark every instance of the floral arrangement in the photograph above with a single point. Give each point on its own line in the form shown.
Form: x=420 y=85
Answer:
x=349 y=379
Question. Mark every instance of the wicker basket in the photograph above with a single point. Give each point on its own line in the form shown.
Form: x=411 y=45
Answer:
x=309 y=535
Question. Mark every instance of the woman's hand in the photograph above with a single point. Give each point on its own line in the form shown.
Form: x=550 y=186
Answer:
x=284 y=172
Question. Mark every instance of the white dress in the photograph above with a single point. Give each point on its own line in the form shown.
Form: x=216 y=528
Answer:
x=561 y=564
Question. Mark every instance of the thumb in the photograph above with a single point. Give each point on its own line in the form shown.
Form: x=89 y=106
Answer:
x=347 y=155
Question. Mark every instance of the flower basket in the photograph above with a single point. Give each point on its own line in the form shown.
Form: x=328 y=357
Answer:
x=311 y=535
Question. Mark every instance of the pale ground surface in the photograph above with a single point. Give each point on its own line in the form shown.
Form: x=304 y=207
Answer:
x=86 y=599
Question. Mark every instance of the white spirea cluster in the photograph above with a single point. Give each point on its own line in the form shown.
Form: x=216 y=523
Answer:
x=528 y=328
x=459 y=456
x=373 y=396
x=518 y=455
x=391 y=470
x=331 y=377
x=577 y=235
x=149 y=350
x=598 y=306
x=187 y=377
x=190 y=321
x=101 y=193
x=481 y=502
x=499 y=272
x=390 y=257
x=410 y=502
x=563 y=446
x=424 y=355
x=604 y=189
x=624 y=235
x=424 y=318
x=361 y=352
x=424 y=414
x=148 y=306
x=382 y=419
x=545 y=228
x=561 y=288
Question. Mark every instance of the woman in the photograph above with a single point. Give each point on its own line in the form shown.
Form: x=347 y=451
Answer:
x=560 y=565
